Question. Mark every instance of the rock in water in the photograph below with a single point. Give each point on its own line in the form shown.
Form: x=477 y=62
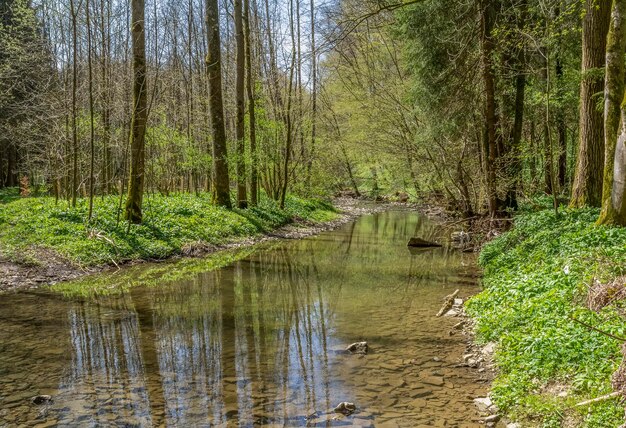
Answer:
x=345 y=408
x=41 y=399
x=460 y=238
x=421 y=243
x=358 y=348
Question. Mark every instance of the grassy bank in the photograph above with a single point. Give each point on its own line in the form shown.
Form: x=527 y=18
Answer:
x=32 y=227
x=536 y=281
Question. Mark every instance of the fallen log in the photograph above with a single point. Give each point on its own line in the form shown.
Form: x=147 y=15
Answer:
x=599 y=399
x=421 y=243
x=448 y=303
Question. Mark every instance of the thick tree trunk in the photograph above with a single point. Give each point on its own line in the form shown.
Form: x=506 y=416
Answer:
x=613 y=96
x=134 y=201
x=242 y=197
x=487 y=17
x=587 y=189
x=221 y=180
x=618 y=195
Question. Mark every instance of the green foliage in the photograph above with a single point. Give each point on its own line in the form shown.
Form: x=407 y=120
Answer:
x=171 y=223
x=536 y=278
x=9 y=194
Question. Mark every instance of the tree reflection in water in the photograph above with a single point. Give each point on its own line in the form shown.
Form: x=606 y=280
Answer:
x=256 y=342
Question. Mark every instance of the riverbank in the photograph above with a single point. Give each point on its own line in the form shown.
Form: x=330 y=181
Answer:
x=551 y=302
x=43 y=243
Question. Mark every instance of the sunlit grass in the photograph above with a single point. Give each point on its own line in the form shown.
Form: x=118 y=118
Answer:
x=30 y=225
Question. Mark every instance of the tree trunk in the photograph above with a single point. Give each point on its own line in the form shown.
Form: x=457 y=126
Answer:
x=92 y=137
x=309 y=165
x=548 y=164
x=561 y=125
x=254 y=183
x=134 y=201
x=561 y=130
x=487 y=17
x=613 y=96
x=618 y=195
x=74 y=189
x=587 y=189
x=242 y=197
x=221 y=181
x=518 y=122
x=288 y=110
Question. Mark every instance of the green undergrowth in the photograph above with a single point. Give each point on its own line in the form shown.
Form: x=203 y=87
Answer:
x=31 y=229
x=536 y=278
x=9 y=194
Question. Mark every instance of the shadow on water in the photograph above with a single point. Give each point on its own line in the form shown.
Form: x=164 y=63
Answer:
x=258 y=342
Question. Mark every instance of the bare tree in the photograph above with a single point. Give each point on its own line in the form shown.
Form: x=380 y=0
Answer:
x=134 y=201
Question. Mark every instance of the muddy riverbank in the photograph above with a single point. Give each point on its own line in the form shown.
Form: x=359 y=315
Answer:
x=54 y=268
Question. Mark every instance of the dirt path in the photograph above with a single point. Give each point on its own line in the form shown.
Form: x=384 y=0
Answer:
x=56 y=269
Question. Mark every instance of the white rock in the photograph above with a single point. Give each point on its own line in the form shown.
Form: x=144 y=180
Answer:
x=483 y=403
x=489 y=348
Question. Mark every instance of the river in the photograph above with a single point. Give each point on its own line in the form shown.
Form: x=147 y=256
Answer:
x=259 y=342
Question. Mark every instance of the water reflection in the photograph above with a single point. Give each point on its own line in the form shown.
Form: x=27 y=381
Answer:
x=258 y=342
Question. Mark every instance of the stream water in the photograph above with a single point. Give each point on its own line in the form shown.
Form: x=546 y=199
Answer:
x=258 y=342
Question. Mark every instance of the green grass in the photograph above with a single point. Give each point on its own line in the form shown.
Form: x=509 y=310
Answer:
x=30 y=225
x=536 y=279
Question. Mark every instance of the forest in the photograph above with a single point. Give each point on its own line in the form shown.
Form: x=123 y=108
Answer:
x=145 y=130
x=474 y=104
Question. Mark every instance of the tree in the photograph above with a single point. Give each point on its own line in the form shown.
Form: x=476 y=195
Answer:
x=313 y=97
x=221 y=182
x=74 y=14
x=25 y=87
x=587 y=189
x=242 y=198
x=487 y=16
x=134 y=200
x=613 y=209
x=254 y=185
